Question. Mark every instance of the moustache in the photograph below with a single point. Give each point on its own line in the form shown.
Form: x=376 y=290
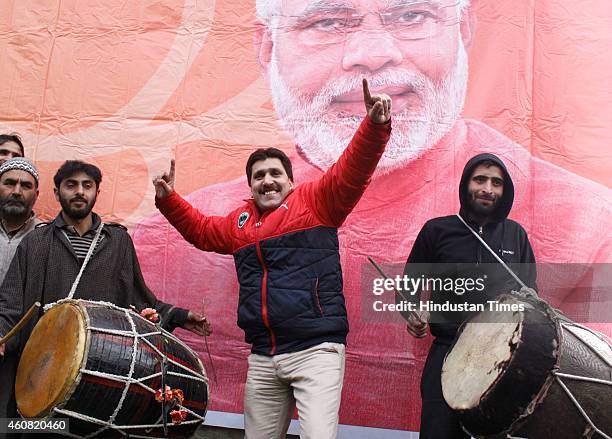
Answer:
x=269 y=188
x=408 y=82
x=78 y=199
x=486 y=197
x=14 y=200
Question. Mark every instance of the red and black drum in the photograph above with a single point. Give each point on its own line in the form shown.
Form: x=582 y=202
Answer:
x=529 y=374
x=101 y=366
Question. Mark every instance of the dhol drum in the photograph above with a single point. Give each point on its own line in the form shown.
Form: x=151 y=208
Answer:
x=101 y=366
x=533 y=374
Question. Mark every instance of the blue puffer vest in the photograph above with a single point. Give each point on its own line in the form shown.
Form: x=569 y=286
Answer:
x=291 y=291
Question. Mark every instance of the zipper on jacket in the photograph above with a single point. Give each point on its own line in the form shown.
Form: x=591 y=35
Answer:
x=316 y=296
x=264 y=306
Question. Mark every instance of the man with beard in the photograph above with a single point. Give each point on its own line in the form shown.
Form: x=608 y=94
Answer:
x=10 y=147
x=313 y=54
x=49 y=259
x=18 y=193
x=486 y=194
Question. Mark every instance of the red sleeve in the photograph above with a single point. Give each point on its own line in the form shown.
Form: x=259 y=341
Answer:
x=335 y=194
x=208 y=233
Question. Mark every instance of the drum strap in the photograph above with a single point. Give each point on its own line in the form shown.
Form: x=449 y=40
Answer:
x=508 y=269
x=87 y=257
x=527 y=292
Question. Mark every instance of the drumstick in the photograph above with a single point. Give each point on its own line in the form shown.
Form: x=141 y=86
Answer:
x=21 y=323
x=212 y=366
x=382 y=273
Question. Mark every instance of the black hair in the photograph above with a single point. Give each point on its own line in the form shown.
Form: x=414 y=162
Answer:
x=12 y=138
x=267 y=153
x=71 y=167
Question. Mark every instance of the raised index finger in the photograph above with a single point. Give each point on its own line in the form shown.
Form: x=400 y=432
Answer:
x=366 y=91
x=171 y=176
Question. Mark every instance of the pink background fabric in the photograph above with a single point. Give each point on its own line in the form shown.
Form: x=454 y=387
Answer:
x=128 y=85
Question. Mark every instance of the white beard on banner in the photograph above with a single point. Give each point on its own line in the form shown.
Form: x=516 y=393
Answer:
x=322 y=136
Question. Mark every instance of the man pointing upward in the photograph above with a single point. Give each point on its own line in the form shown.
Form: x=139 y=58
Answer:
x=285 y=246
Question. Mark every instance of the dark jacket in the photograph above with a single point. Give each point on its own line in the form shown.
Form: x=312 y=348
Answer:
x=446 y=240
x=287 y=259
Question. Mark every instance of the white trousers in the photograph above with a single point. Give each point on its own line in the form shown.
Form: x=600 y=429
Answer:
x=310 y=379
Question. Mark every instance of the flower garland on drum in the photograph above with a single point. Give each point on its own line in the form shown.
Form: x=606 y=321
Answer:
x=176 y=398
x=150 y=314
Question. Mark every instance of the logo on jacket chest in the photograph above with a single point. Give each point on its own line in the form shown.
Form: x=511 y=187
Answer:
x=242 y=219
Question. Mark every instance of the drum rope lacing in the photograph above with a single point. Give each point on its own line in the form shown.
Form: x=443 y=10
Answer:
x=559 y=375
x=129 y=380
x=566 y=324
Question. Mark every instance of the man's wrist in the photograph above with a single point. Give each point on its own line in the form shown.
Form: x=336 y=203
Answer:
x=373 y=122
x=180 y=317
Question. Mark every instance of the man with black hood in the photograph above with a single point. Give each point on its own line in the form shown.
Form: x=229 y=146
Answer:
x=486 y=193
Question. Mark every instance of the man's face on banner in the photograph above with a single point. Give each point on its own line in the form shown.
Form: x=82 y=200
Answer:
x=315 y=54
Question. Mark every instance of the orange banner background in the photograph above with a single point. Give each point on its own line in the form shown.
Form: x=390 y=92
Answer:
x=127 y=85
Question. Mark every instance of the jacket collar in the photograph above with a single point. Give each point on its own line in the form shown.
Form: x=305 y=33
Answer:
x=61 y=224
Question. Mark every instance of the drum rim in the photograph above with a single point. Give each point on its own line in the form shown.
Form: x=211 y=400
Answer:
x=540 y=397
x=85 y=356
x=69 y=390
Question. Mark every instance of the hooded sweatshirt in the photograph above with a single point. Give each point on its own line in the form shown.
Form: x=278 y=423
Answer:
x=446 y=240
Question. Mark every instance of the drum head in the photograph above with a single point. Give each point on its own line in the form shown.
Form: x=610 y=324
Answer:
x=477 y=359
x=51 y=360
x=497 y=373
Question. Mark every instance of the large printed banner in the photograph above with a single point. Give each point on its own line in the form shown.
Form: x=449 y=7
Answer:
x=128 y=85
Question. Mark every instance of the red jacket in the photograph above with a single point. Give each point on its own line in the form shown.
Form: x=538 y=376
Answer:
x=287 y=259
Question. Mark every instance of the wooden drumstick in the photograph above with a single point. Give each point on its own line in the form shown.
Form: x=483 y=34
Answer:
x=21 y=323
x=212 y=365
x=382 y=273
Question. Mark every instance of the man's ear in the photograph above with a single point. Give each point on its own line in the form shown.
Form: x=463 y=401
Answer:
x=468 y=25
x=263 y=45
x=56 y=192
